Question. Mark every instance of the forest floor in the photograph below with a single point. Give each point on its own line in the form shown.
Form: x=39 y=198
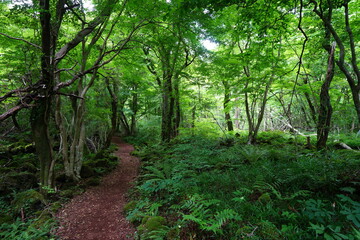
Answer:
x=98 y=213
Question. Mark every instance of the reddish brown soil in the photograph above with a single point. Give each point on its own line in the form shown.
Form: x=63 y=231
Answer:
x=97 y=213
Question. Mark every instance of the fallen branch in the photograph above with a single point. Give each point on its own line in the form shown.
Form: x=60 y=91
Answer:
x=344 y=145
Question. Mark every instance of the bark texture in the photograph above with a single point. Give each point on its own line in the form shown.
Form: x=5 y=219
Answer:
x=325 y=110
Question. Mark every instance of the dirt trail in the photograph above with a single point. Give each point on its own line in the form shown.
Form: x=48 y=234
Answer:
x=97 y=213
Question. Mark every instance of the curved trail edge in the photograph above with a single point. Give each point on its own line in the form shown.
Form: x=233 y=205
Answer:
x=97 y=213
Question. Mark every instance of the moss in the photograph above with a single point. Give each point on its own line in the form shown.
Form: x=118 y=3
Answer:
x=71 y=192
x=87 y=171
x=55 y=207
x=17 y=180
x=93 y=182
x=154 y=223
x=61 y=178
x=129 y=206
x=101 y=154
x=150 y=224
x=5 y=219
x=265 y=198
x=42 y=220
x=101 y=163
x=173 y=234
x=27 y=198
x=268 y=230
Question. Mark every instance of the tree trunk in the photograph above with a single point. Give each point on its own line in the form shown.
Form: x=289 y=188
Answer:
x=325 y=111
x=311 y=107
x=134 y=109
x=114 y=107
x=353 y=77
x=77 y=145
x=237 y=116
x=64 y=145
x=40 y=118
x=40 y=114
x=193 y=117
x=228 y=120
x=167 y=108
x=249 y=117
x=177 y=115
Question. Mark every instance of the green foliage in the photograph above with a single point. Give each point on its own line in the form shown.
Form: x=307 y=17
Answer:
x=152 y=227
x=148 y=132
x=339 y=219
x=20 y=230
x=99 y=164
x=200 y=211
x=26 y=199
x=273 y=137
x=212 y=190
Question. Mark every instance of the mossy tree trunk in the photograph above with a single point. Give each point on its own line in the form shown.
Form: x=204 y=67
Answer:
x=40 y=114
x=325 y=110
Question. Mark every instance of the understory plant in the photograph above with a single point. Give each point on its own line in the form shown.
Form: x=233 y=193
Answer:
x=205 y=189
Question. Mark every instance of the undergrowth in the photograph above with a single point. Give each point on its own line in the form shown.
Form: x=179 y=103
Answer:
x=28 y=213
x=203 y=187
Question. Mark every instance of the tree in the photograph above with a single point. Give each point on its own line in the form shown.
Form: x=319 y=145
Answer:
x=171 y=48
x=325 y=110
x=41 y=93
x=345 y=42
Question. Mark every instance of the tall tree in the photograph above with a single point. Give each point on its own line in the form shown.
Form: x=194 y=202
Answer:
x=169 y=51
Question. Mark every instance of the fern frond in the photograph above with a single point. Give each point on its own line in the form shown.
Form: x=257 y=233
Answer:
x=154 y=173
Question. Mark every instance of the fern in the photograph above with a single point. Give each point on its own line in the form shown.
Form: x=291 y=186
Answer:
x=273 y=188
x=251 y=154
x=225 y=215
x=154 y=173
x=200 y=212
x=241 y=194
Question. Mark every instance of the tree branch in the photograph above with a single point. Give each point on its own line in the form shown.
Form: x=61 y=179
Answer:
x=21 y=39
x=352 y=43
x=301 y=54
x=80 y=36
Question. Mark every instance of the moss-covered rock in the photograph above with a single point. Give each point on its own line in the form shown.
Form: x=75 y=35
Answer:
x=151 y=224
x=101 y=163
x=130 y=206
x=87 y=171
x=173 y=234
x=61 y=178
x=93 y=182
x=71 y=192
x=28 y=199
x=264 y=198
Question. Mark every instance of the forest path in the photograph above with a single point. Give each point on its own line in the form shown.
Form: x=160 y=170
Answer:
x=97 y=213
